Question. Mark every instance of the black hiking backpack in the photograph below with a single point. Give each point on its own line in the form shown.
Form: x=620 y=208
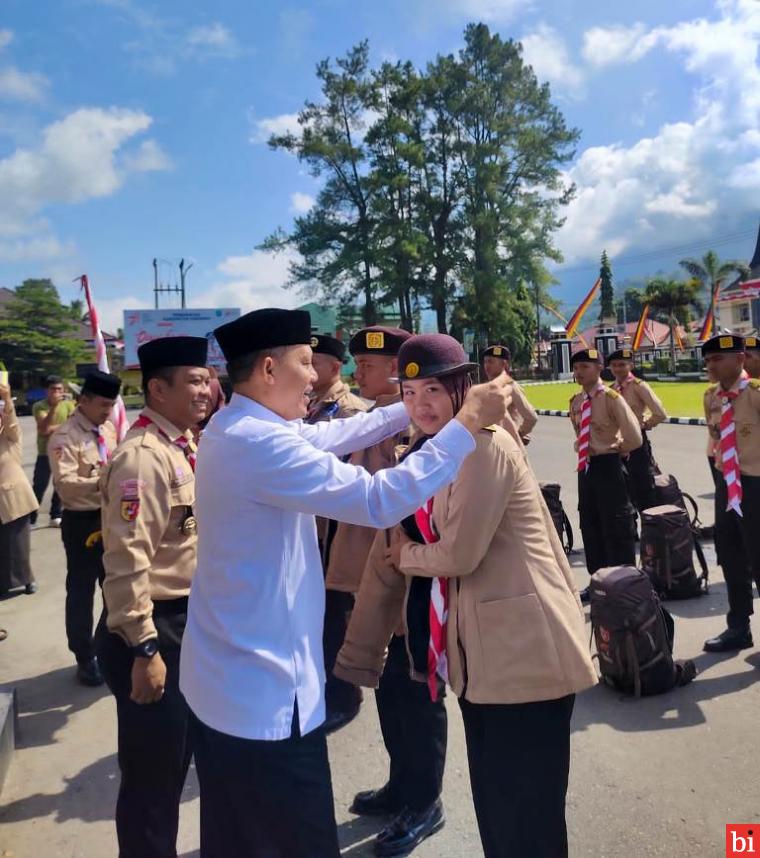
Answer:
x=551 y=493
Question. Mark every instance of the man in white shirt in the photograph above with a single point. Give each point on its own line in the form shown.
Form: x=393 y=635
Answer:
x=252 y=666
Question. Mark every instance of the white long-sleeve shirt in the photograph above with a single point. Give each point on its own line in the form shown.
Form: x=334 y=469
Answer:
x=253 y=642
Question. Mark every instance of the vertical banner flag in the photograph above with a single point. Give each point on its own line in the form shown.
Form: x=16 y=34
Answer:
x=572 y=325
x=707 y=326
x=564 y=322
x=677 y=338
x=639 y=335
x=119 y=413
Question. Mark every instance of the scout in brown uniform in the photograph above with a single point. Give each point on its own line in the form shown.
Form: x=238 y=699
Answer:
x=752 y=356
x=737 y=487
x=496 y=361
x=78 y=450
x=513 y=646
x=605 y=509
x=149 y=537
x=331 y=396
x=649 y=411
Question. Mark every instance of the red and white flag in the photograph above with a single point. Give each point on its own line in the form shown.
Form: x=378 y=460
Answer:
x=119 y=413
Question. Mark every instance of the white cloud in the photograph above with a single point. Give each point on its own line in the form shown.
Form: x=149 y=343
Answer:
x=545 y=50
x=619 y=44
x=148 y=157
x=6 y=37
x=697 y=178
x=78 y=158
x=212 y=39
x=251 y=282
x=263 y=129
x=22 y=86
x=301 y=203
x=34 y=249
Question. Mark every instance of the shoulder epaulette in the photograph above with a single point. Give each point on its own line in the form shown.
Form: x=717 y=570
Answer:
x=149 y=439
x=638 y=381
x=754 y=383
x=613 y=393
x=711 y=389
x=492 y=428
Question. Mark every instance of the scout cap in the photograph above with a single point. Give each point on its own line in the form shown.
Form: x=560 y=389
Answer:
x=378 y=340
x=725 y=343
x=498 y=351
x=264 y=329
x=98 y=383
x=586 y=356
x=431 y=356
x=751 y=343
x=620 y=354
x=322 y=344
x=172 y=351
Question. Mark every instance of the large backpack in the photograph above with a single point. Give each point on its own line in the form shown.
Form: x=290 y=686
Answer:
x=667 y=553
x=551 y=493
x=667 y=491
x=634 y=634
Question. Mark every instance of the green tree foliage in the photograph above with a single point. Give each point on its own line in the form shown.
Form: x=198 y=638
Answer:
x=606 y=290
x=712 y=273
x=671 y=301
x=36 y=332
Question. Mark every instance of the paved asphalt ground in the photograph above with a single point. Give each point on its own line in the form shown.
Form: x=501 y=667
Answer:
x=654 y=777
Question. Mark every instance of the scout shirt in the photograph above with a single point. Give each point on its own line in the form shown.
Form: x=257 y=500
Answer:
x=712 y=405
x=350 y=546
x=614 y=427
x=521 y=411
x=149 y=535
x=63 y=410
x=642 y=400
x=76 y=461
x=747 y=419
x=337 y=401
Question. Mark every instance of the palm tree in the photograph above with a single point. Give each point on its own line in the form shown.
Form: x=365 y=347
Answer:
x=672 y=299
x=711 y=272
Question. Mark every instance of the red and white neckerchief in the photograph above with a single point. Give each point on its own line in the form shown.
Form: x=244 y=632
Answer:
x=187 y=445
x=729 y=455
x=584 y=435
x=100 y=439
x=620 y=386
x=437 y=662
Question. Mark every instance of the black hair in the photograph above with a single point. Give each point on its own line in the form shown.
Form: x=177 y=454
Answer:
x=240 y=368
x=53 y=379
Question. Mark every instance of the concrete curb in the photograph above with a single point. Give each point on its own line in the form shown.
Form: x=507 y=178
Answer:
x=678 y=421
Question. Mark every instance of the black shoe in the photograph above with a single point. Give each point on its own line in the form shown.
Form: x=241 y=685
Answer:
x=30 y=588
x=585 y=595
x=409 y=829
x=376 y=802
x=88 y=673
x=338 y=718
x=729 y=641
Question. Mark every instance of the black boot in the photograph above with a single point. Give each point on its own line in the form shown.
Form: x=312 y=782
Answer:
x=376 y=802
x=730 y=640
x=409 y=829
x=88 y=673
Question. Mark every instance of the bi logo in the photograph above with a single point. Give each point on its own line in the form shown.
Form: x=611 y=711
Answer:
x=741 y=839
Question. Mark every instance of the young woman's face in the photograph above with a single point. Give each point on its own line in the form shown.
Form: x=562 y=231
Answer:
x=428 y=404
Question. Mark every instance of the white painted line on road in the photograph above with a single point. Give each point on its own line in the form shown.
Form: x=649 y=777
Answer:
x=677 y=421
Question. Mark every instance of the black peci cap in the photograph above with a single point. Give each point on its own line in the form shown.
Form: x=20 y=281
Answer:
x=172 y=351
x=586 y=356
x=431 y=356
x=726 y=343
x=378 y=340
x=498 y=351
x=751 y=343
x=322 y=344
x=98 y=383
x=264 y=329
x=620 y=354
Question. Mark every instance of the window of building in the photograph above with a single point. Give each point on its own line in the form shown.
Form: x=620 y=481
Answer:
x=741 y=313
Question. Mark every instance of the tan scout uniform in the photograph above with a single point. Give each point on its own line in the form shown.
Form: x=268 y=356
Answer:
x=150 y=546
x=522 y=412
x=75 y=461
x=747 y=419
x=614 y=427
x=336 y=402
x=711 y=404
x=643 y=401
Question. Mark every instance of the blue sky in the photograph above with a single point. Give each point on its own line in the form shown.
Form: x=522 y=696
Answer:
x=131 y=129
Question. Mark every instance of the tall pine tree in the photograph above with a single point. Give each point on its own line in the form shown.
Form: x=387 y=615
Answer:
x=607 y=314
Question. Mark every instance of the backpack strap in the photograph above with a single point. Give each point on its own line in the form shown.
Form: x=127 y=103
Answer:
x=704 y=577
x=633 y=663
x=568 y=528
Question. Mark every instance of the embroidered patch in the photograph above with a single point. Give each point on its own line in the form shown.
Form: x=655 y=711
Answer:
x=497 y=351
x=181 y=478
x=314 y=342
x=130 y=489
x=726 y=342
x=130 y=509
x=750 y=342
x=412 y=370
x=593 y=354
x=375 y=340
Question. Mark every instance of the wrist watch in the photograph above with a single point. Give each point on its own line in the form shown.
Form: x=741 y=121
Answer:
x=146 y=649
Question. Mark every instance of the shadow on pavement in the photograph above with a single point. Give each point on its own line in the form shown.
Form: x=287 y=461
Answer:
x=713 y=604
x=46 y=702
x=356 y=836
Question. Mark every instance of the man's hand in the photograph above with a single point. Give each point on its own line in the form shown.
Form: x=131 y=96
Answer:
x=393 y=552
x=148 y=679
x=54 y=398
x=486 y=404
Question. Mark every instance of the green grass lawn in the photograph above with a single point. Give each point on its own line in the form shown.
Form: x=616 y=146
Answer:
x=681 y=399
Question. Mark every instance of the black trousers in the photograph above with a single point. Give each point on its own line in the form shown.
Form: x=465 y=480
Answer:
x=640 y=470
x=519 y=760
x=737 y=543
x=607 y=516
x=40 y=480
x=414 y=731
x=154 y=741
x=84 y=571
x=264 y=799
x=340 y=696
